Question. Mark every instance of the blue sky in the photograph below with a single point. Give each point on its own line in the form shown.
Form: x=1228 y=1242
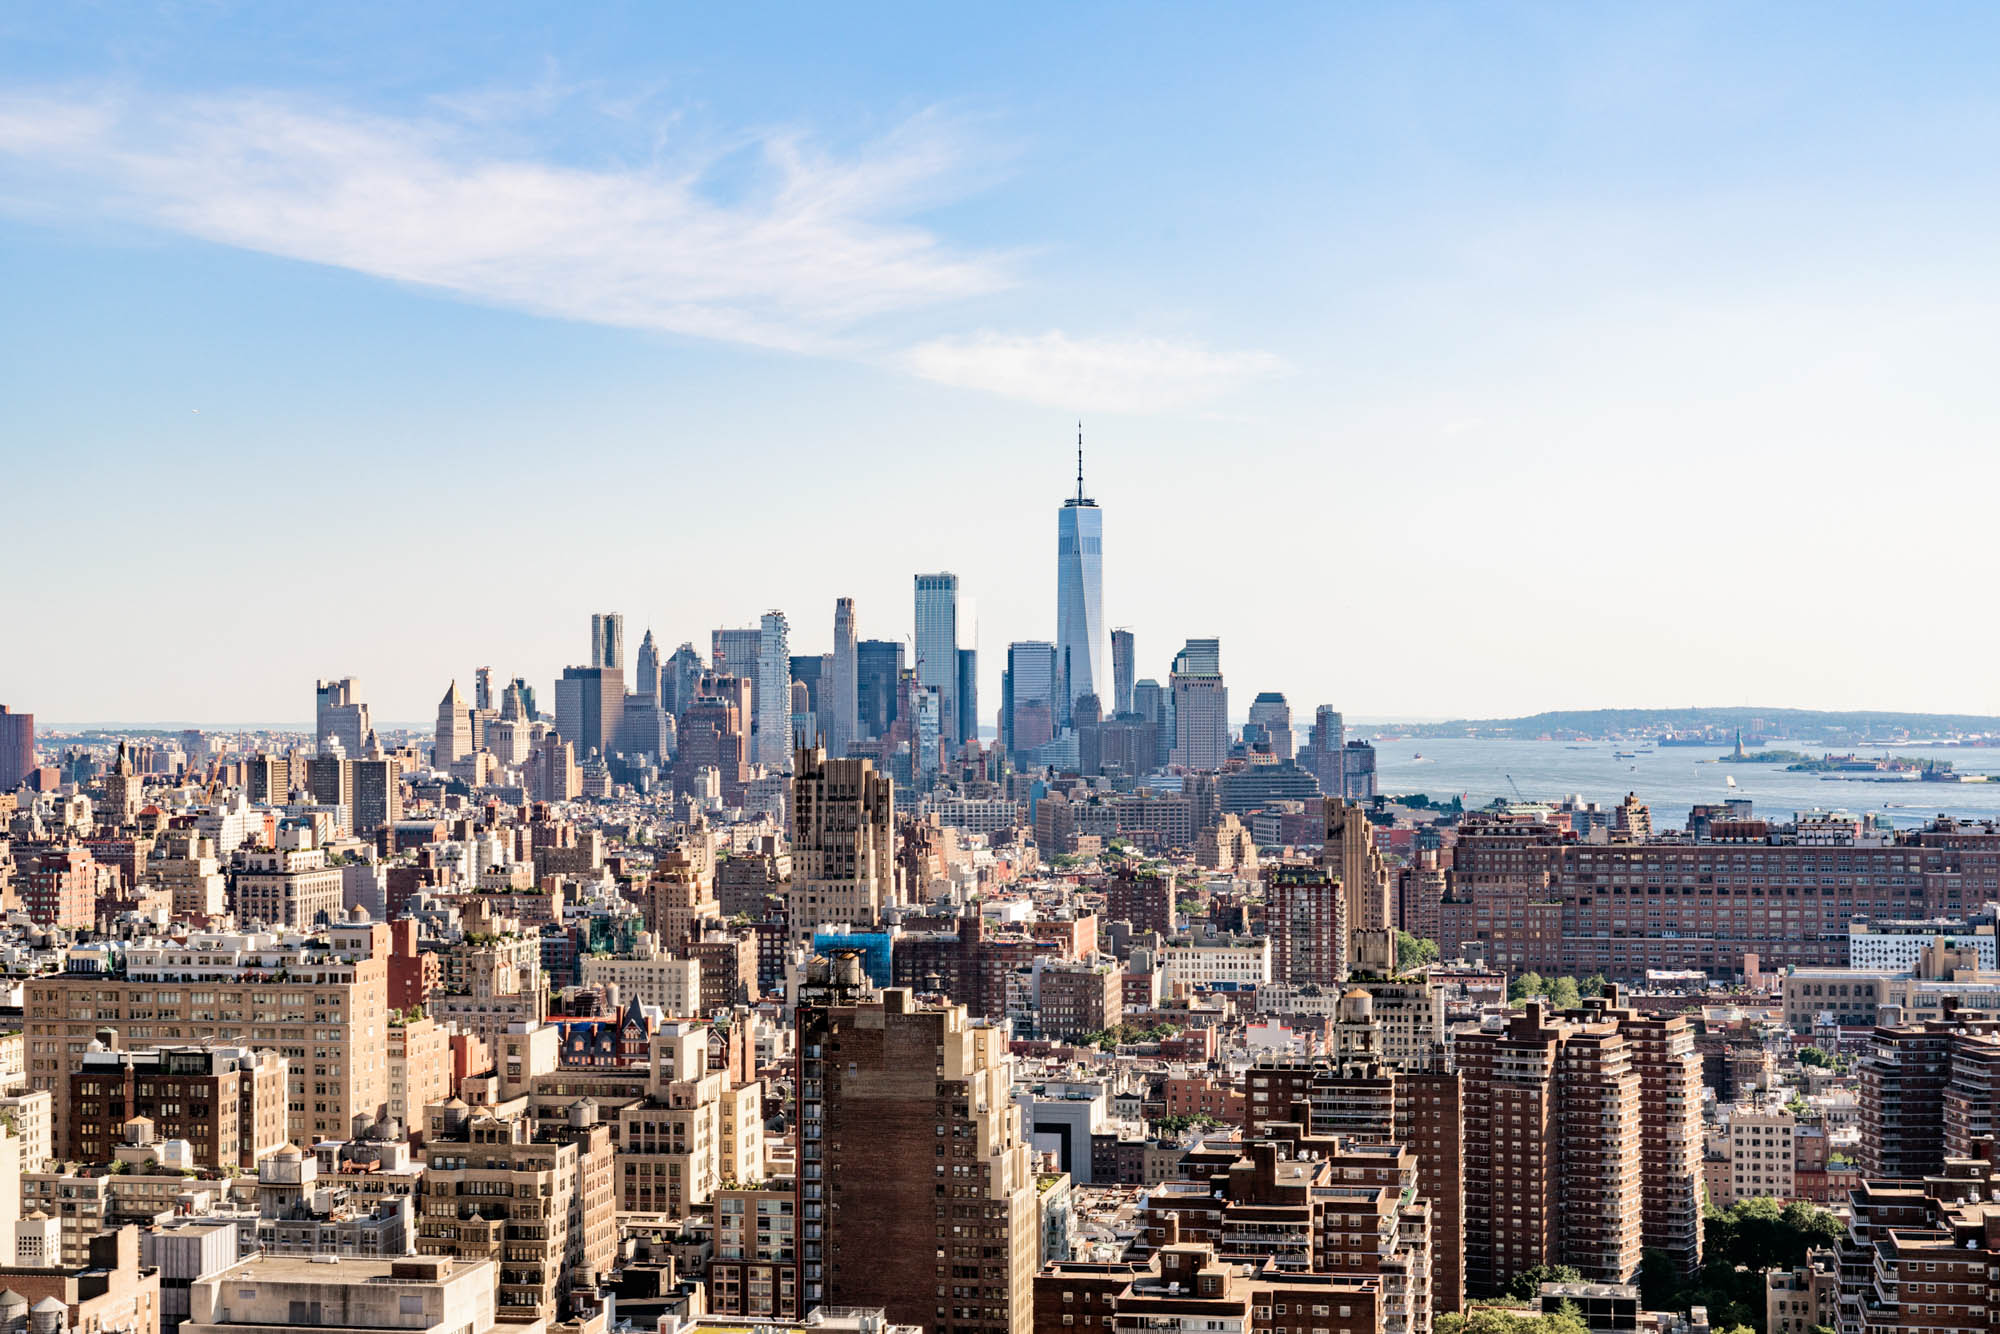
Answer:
x=1441 y=359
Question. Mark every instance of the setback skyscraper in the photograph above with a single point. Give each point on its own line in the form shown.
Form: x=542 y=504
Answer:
x=844 y=704
x=1201 y=706
x=339 y=713
x=1080 y=590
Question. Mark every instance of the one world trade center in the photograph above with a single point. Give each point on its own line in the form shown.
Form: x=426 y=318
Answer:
x=1080 y=591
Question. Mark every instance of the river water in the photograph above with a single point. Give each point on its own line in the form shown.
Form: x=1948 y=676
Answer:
x=1671 y=779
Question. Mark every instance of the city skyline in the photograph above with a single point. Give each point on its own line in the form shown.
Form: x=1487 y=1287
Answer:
x=1597 y=305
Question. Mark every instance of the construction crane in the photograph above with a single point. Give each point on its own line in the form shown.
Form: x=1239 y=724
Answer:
x=1517 y=788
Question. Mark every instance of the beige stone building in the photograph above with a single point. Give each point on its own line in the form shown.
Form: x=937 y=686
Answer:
x=320 y=1001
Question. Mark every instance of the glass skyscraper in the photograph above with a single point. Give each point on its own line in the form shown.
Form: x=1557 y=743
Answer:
x=937 y=645
x=1080 y=592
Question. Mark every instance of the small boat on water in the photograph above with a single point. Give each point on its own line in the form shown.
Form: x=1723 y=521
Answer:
x=1624 y=755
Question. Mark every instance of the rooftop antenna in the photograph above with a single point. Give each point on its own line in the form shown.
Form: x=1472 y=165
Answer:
x=1079 y=460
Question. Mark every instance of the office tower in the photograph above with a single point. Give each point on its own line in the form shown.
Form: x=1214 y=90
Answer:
x=1121 y=671
x=1553 y=1149
x=843 y=842
x=17 y=747
x=712 y=736
x=648 y=680
x=771 y=704
x=1357 y=770
x=482 y=689
x=1201 y=707
x=330 y=782
x=377 y=785
x=590 y=708
x=1306 y=917
x=1155 y=705
x=909 y=1129
x=454 y=731
x=1270 y=711
x=1030 y=701
x=878 y=675
x=734 y=651
x=1080 y=591
x=1324 y=754
x=517 y=702
x=678 y=678
x=607 y=640
x=804 y=719
x=937 y=645
x=968 y=695
x=843 y=709
x=1349 y=845
x=340 y=714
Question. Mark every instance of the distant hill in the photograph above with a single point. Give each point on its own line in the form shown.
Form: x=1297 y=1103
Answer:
x=1856 y=727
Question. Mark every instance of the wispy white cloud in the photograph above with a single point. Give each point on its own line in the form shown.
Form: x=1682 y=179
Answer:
x=804 y=251
x=814 y=247
x=1108 y=374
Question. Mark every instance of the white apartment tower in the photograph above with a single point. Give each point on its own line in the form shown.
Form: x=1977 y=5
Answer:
x=771 y=746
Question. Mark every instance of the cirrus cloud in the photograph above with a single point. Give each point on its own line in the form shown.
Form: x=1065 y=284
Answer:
x=806 y=252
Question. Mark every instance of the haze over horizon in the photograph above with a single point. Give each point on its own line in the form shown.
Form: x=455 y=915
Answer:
x=1445 y=363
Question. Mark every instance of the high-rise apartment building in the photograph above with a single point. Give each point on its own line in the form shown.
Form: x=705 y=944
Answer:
x=321 y=1002
x=937 y=645
x=1121 y=671
x=1080 y=591
x=771 y=725
x=878 y=676
x=843 y=842
x=1306 y=917
x=1553 y=1148
x=843 y=711
x=538 y=1198
x=607 y=640
x=1201 y=707
x=454 y=730
x=916 y=1190
x=339 y=713
x=17 y=747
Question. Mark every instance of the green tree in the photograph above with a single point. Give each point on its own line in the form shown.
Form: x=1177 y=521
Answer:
x=1564 y=995
x=1414 y=951
x=1593 y=985
x=1525 y=986
x=1500 y=1320
x=1817 y=1056
x=1526 y=1286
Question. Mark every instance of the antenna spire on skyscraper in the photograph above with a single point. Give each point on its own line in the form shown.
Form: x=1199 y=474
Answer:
x=1079 y=459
